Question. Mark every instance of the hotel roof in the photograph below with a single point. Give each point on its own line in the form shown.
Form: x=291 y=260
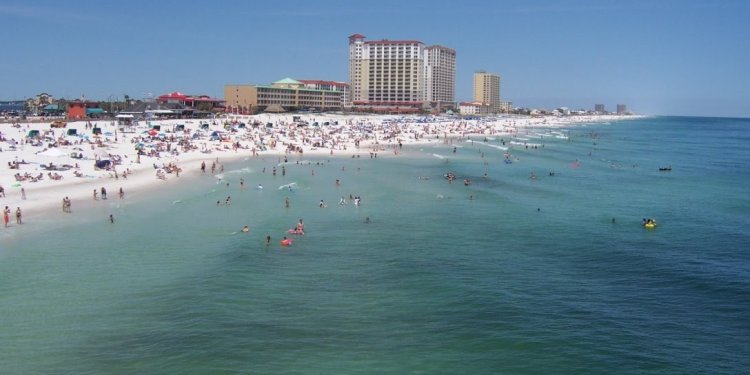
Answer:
x=288 y=81
x=386 y=41
x=320 y=82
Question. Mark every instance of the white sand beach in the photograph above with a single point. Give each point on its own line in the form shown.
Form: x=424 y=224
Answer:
x=39 y=170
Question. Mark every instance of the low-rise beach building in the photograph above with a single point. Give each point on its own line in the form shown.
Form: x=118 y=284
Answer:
x=288 y=94
x=80 y=109
x=474 y=108
x=198 y=102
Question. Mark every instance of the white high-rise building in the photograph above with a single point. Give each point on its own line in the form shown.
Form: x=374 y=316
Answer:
x=440 y=76
x=399 y=73
x=356 y=47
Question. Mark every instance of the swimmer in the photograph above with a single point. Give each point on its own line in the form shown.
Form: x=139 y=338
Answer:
x=245 y=229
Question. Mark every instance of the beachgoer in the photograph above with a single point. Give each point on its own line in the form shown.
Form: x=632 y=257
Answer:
x=104 y=193
x=6 y=216
x=23 y=194
x=111 y=219
x=322 y=204
x=122 y=194
x=95 y=194
x=286 y=202
x=245 y=229
x=18 y=215
x=268 y=239
x=367 y=220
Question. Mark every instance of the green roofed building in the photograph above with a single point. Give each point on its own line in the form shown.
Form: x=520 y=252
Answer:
x=288 y=94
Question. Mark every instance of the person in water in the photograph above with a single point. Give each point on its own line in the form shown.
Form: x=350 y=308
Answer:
x=245 y=229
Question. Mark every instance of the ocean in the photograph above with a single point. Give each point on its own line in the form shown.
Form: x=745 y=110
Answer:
x=539 y=265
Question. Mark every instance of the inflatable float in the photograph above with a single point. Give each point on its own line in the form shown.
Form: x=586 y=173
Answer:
x=649 y=223
x=286 y=242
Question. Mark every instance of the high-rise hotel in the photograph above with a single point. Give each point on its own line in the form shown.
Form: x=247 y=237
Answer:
x=400 y=73
x=487 y=90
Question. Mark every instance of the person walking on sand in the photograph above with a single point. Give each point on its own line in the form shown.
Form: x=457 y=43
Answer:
x=6 y=216
x=18 y=215
x=122 y=194
x=23 y=194
x=104 y=193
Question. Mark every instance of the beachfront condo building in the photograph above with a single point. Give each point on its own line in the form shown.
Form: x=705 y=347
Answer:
x=387 y=74
x=440 y=76
x=622 y=109
x=487 y=90
x=286 y=94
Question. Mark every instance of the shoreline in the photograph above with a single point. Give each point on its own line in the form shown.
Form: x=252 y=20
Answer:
x=342 y=136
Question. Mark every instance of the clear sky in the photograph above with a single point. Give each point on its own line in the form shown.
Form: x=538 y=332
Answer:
x=666 y=57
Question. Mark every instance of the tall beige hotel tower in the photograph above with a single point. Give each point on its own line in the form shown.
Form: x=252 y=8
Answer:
x=487 y=90
x=400 y=73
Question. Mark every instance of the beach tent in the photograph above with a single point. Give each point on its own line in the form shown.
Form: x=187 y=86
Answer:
x=102 y=164
x=53 y=152
x=275 y=108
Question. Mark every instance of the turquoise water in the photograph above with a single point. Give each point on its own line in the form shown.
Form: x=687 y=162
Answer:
x=507 y=275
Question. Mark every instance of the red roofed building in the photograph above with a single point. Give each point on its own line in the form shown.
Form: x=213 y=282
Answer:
x=200 y=102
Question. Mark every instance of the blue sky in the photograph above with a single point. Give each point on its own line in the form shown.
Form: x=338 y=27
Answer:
x=658 y=56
